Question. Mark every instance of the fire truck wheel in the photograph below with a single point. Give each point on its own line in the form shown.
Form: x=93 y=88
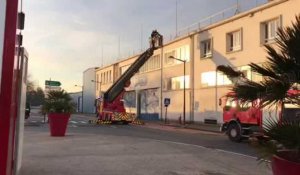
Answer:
x=234 y=132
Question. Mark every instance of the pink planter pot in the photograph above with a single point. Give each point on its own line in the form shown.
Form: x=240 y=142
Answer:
x=281 y=166
x=58 y=123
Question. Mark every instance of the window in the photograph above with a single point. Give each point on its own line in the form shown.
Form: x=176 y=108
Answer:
x=170 y=60
x=110 y=76
x=182 y=53
x=234 y=41
x=206 y=48
x=152 y=64
x=123 y=69
x=269 y=30
x=97 y=80
x=106 y=76
x=167 y=84
x=246 y=70
x=231 y=102
x=209 y=79
x=178 y=82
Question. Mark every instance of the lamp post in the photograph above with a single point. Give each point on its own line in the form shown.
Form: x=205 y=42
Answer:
x=184 y=61
x=81 y=97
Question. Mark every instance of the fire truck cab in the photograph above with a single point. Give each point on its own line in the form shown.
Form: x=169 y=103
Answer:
x=240 y=120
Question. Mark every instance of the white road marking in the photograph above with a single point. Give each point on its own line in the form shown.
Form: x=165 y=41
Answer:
x=74 y=126
x=73 y=122
x=203 y=147
x=83 y=122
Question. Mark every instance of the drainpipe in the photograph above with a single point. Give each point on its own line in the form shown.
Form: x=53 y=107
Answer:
x=216 y=91
x=161 y=82
x=192 y=79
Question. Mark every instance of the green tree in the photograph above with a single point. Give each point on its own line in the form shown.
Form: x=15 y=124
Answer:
x=34 y=97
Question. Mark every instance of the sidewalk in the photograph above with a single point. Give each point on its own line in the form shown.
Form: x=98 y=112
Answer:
x=197 y=126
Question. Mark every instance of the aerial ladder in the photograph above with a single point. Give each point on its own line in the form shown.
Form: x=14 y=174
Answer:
x=111 y=106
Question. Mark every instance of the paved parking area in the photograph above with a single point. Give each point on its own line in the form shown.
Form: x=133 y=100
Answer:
x=100 y=151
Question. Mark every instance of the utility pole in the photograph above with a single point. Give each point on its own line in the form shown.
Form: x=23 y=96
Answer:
x=102 y=56
x=119 y=48
x=141 y=37
x=237 y=7
x=176 y=20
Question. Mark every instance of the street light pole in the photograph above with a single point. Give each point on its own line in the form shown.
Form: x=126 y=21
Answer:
x=81 y=97
x=184 y=92
x=184 y=61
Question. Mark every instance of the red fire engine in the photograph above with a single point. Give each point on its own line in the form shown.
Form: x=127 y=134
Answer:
x=241 y=120
x=110 y=107
x=13 y=69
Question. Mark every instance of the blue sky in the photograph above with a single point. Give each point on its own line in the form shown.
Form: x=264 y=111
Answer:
x=65 y=37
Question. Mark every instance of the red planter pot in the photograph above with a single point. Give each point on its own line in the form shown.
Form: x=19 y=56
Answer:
x=281 y=166
x=58 y=123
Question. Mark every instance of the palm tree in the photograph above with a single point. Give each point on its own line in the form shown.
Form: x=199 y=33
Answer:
x=58 y=102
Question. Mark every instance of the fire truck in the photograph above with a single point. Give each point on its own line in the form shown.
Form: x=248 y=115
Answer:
x=240 y=120
x=110 y=106
x=13 y=73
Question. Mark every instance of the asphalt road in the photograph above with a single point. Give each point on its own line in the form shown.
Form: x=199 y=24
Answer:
x=133 y=149
x=80 y=124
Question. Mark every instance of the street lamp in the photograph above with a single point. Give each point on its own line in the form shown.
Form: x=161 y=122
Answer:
x=184 y=61
x=81 y=97
x=100 y=83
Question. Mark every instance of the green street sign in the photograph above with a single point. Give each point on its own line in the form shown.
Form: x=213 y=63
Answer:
x=52 y=83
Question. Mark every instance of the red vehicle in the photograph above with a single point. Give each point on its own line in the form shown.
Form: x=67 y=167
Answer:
x=13 y=70
x=110 y=107
x=242 y=120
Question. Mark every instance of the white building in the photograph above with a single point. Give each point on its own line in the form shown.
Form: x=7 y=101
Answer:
x=89 y=88
x=236 y=41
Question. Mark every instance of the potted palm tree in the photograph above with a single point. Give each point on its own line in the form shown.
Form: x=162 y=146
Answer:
x=58 y=105
x=280 y=141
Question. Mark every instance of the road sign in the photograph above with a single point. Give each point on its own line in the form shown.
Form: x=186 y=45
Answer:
x=167 y=102
x=52 y=83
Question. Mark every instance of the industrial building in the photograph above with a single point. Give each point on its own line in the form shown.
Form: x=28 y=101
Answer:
x=235 y=40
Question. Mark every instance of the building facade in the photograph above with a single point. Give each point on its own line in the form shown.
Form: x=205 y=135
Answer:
x=235 y=41
x=89 y=88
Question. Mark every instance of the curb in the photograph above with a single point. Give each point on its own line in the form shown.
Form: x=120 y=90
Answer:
x=191 y=127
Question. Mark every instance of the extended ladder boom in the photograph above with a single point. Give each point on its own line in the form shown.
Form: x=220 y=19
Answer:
x=156 y=42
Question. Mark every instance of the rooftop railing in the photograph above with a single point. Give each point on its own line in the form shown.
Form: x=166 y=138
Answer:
x=241 y=6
